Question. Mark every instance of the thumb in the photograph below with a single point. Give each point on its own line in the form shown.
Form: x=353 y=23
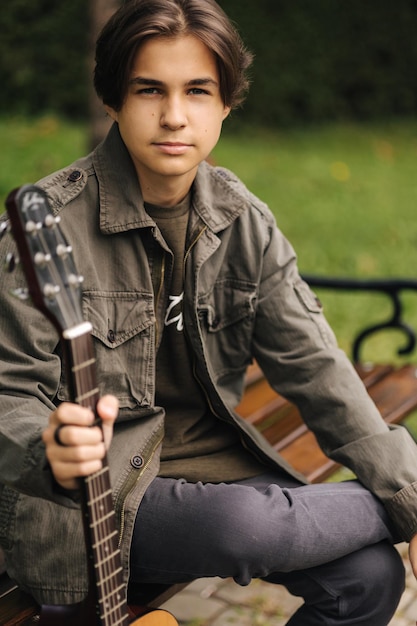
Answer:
x=108 y=410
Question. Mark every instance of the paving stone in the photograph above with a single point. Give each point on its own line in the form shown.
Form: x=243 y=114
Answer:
x=400 y=621
x=266 y=596
x=206 y=587
x=219 y=602
x=246 y=617
x=187 y=606
x=410 y=612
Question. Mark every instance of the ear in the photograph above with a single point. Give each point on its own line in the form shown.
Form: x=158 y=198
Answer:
x=226 y=112
x=111 y=113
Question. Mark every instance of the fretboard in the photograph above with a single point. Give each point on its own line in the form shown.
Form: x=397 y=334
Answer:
x=106 y=576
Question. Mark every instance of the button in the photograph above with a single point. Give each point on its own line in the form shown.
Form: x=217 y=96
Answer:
x=111 y=336
x=75 y=176
x=136 y=461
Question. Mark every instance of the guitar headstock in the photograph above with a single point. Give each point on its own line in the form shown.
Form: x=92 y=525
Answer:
x=46 y=258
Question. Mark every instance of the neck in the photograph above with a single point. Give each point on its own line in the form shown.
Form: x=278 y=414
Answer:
x=168 y=192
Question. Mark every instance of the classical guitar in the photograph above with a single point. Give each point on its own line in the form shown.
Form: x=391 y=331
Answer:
x=55 y=289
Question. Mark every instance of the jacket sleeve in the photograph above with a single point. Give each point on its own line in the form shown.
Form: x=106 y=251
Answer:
x=298 y=353
x=30 y=369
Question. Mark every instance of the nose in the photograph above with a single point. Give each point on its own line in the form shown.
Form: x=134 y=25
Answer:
x=173 y=114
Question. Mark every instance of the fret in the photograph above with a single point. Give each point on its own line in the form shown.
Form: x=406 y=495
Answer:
x=111 y=599
x=103 y=581
x=99 y=522
x=84 y=365
x=89 y=394
x=100 y=472
x=102 y=496
x=108 y=610
x=103 y=546
x=100 y=562
x=98 y=544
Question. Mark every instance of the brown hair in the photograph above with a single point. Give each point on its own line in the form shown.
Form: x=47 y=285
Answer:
x=138 y=20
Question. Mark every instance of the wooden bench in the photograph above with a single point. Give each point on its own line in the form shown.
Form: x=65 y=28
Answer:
x=392 y=387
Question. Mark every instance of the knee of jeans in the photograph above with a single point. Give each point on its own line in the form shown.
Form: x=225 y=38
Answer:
x=244 y=538
x=377 y=583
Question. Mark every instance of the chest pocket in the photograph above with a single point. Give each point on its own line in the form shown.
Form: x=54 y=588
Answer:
x=123 y=336
x=227 y=316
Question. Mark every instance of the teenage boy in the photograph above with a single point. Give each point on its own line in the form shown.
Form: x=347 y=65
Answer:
x=186 y=280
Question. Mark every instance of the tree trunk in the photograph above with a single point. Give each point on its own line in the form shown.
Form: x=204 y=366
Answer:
x=100 y=13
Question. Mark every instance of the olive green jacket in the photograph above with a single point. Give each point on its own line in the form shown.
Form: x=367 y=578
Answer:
x=244 y=299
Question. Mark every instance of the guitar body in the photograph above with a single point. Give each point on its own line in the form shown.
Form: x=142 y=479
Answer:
x=156 y=617
x=55 y=289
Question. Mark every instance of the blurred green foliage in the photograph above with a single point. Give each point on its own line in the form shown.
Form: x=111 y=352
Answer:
x=43 y=57
x=329 y=59
x=314 y=60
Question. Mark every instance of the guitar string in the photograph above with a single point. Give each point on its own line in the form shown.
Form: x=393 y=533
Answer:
x=111 y=584
x=84 y=378
x=99 y=494
x=68 y=304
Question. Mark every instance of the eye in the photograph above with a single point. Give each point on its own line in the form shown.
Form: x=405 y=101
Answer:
x=148 y=91
x=197 y=91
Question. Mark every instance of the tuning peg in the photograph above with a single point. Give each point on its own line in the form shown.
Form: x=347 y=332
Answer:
x=51 y=221
x=11 y=262
x=21 y=293
x=33 y=227
x=50 y=291
x=75 y=281
x=4 y=228
x=63 y=251
x=42 y=259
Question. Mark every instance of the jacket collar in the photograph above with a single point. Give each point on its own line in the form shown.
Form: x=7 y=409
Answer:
x=218 y=196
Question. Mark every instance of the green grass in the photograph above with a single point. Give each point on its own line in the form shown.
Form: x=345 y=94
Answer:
x=346 y=198
x=32 y=148
x=343 y=194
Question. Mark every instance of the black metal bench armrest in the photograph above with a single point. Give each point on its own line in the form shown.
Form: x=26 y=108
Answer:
x=392 y=287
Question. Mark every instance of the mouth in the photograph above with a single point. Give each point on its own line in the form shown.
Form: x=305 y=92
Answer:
x=172 y=147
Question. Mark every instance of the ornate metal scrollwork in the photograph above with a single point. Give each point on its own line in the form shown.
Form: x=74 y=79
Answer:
x=390 y=287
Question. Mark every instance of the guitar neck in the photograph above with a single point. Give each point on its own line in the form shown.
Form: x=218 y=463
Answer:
x=55 y=288
x=106 y=575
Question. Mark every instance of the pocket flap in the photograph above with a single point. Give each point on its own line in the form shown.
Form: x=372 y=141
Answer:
x=118 y=316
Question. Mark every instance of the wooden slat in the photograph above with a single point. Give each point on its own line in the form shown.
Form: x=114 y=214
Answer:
x=306 y=456
x=396 y=394
x=16 y=607
x=393 y=390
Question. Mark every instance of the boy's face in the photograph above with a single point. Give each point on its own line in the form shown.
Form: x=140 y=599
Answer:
x=172 y=116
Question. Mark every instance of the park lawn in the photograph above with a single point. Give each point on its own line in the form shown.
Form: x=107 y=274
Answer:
x=344 y=194
x=33 y=148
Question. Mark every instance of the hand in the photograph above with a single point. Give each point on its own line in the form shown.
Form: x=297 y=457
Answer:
x=83 y=445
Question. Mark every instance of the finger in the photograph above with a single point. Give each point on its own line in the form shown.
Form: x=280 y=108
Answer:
x=108 y=408
x=68 y=474
x=68 y=435
x=62 y=455
x=57 y=435
x=68 y=413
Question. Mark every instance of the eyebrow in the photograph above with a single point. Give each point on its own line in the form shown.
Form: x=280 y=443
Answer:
x=152 y=82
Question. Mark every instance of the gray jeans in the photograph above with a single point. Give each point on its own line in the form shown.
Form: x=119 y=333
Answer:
x=330 y=543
